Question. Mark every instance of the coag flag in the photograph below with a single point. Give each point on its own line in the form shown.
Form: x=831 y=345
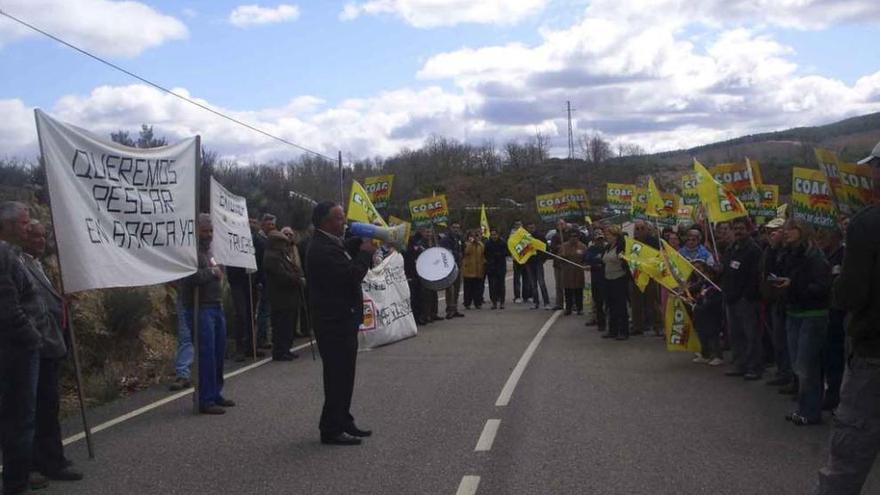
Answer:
x=680 y=332
x=429 y=211
x=639 y=257
x=740 y=176
x=768 y=201
x=689 y=195
x=484 y=222
x=379 y=189
x=654 y=208
x=684 y=215
x=556 y=205
x=721 y=204
x=620 y=198
x=523 y=246
x=671 y=201
x=679 y=267
x=640 y=203
x=811 y=197
x=579 y=198
x=858 y=183
x=361 y=209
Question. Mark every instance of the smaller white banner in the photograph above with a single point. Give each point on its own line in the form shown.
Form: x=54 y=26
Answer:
x=233 y=243
x=387 y=312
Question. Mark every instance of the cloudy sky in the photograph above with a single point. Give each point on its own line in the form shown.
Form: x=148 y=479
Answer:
x=370 y=77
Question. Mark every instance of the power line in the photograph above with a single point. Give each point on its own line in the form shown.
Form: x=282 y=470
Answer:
x=164 y=89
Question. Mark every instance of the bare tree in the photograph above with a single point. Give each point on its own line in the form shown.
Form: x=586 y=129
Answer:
x=629 y=149
x=595 y=148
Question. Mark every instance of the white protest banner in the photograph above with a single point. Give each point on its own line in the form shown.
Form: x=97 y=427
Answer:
x=123 y=216
x=387 y=312
x=233 y=243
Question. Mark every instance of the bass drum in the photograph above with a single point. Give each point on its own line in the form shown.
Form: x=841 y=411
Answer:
x=436 y=268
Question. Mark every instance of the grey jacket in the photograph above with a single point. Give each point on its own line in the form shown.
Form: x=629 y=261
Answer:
x=17 y=294
x=50 y=326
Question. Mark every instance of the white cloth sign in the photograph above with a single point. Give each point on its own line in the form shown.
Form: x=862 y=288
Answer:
x=123 y=216
x=387 y=312
x=233 y=244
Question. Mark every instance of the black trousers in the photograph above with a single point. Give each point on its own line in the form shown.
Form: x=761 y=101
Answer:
x=241 y=300
x=415 y=299
x=284 y=322
x=430 y=303
x=537 y=284
x=617 y=293
x=48 y=450
x=497 y=289
x=473 y=292
x=597 y=290
x=574 y=300
x=338 y=347
x=521 y=286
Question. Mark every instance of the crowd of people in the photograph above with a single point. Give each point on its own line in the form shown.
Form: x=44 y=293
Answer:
x=777 y=296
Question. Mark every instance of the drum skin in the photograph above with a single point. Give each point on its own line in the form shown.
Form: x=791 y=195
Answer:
x=436 y=268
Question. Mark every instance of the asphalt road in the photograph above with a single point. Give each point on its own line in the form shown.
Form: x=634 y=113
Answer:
x=588 y=416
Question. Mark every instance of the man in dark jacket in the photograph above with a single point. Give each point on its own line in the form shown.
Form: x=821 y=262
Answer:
x=593 y=259
x=284 y=280
x=264 y=310
x=337 y=309
x=211 y=324
x=496 y=268
x=831 y=242
x=48 y=450
x=855 y=436
x=739 y=285
x=535 y=270
x=240 y=285
x=453 y=241
x=20 y=343
x=772 y=260
x=417 y=245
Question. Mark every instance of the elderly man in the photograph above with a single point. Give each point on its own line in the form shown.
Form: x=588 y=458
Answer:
x=284 y=279
x=337 y=309
x=48 y=451
x=264 y=310
x=20 y=343
x=212 y=322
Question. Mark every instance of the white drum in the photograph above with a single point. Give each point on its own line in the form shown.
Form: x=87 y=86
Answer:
x=437 y=269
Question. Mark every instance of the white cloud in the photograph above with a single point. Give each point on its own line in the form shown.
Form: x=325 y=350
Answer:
x=121 y=29
x=252 y=15
x=436 y=13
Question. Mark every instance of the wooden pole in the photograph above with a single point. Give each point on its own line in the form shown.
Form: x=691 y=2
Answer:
x=74 y=351
x=194 y=369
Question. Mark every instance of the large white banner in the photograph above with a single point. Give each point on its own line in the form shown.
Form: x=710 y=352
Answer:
x=123 y=216
x=233 y=244
x=387 y=312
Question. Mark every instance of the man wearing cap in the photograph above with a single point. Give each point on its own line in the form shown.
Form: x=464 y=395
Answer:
x=771 y=265
x=855 y=434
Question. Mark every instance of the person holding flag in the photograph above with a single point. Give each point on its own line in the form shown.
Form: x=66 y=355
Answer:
x=496 y=268
x=616 y=284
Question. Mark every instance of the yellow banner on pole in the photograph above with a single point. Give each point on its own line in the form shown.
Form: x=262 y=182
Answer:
x=689 y=194
x=811 y=199
x=680 y=331
x=620 y=197
x=523 y=246
x=654 y=208
x=361 y=209
x=484 y=222
x=556 y=205
x=721 y=204
x=379 y=189
x=429 y=211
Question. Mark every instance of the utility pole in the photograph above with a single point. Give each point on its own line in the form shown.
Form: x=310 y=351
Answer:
x=341 y=186
x=570 y=133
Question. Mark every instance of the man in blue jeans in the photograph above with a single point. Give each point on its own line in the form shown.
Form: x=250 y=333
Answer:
x=183 y=360
x=20 y=343
x=212 y=323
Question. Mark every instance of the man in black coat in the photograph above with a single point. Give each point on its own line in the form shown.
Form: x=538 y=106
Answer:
x=739 y=284
x=337 y=306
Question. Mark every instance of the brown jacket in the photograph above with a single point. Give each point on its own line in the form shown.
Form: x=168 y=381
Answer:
x=283 y=276
x=473 y=262
x=572 y=276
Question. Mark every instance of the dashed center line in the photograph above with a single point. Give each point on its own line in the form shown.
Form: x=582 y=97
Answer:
x=484 y=444
x=468 y=485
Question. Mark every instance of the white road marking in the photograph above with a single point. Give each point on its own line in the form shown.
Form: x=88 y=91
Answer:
x=468 y=485
x=507 y=391
x=171 y=398
x=484 y=444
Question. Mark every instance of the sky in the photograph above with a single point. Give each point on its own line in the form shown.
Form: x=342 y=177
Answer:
x=372 y=77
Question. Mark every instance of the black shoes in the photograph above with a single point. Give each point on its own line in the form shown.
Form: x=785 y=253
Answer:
x=357 y=432
x=735 y=373
x=223 y=402
x=213 y=409
x=64 y=474
x=180 y=384
x=340 y=439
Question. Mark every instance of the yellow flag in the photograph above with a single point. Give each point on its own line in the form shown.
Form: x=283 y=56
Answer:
x=523 y=246
x=648 y=263
x=484 y=222
x=721 y=204
x=680 y=268
x=655 y=200
x=360 y=208
x=680 y=332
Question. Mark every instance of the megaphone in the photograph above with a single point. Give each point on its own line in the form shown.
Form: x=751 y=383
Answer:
x=392 y=235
